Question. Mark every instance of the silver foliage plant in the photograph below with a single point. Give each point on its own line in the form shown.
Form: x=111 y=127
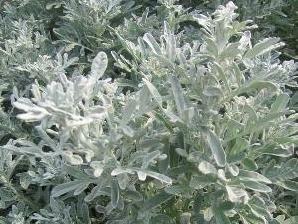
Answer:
x=201 y=134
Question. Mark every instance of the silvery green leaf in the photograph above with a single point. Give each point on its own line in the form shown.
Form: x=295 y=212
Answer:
x=142 y=47
x=128 y=131
x=154 y=92
x=24 y=148
x=122 y=82
x=238 y=74
x=231 y=51
x=25 y=180
x=128 y=111
x=142 y=175
x=170 y=42
x=72 y=158
x=173 y=117
x=257 y=85
x=285 y=171
x=221 y=36
x=222 y=175
x=237 y=152
x=212 y=91
x=158 y=176
x=81 y=188
x=216 y=148
x=207 y=168
x=201 y=181
x=64 y=188
x=33 y=112
x=115 y=194
x=237 y=194
x=98 y=167
x=250 y=164
x=118 y=171
x=253 y=116
x=96 y=192
x=253 y=176
x=177 y=190
x=76 y=172
x=178 y=94
x=256 y=186
x=145 y=104
x=49 y=6
x=280 y=150
x=263 y=46
x=96 y=112
x=150 y=40
x=78 y=121
x=45 y=137
x=280 y=103
x=181 y=58
x=212 y=47
x=233 y=169
x=245 y=40
x=35 y=89
x=120 y=62
x=259 y=211
x=99 y=65
x=150 y=158
x=289 y=185
x=155 y=201
x=202 y=20
x=123 y=180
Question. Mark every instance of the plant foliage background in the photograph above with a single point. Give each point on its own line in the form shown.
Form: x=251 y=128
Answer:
x=147 y=112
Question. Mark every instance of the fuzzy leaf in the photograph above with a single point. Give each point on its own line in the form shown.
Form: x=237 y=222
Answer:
x=64 y=188
x=262 y=47
x=99 y=65
x=207 y=168
x=152 y=43
x=178 y=95
x=155 y=201
x=154 y=92
x=216 y=148
x=253 y=176
x=287 y=171
x=237 y=194
x=256 y=186
x=114 y=193
x=280 y=103
x=289 y=185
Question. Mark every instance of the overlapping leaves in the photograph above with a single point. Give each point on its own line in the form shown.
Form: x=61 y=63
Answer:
x=191 y=131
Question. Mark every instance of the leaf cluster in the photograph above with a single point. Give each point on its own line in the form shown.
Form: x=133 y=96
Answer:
x=133 y=112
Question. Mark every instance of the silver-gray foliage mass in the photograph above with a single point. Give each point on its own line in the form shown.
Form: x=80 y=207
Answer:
x=118 y=114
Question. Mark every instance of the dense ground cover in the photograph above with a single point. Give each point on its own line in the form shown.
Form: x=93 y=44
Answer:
x=148 y=112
